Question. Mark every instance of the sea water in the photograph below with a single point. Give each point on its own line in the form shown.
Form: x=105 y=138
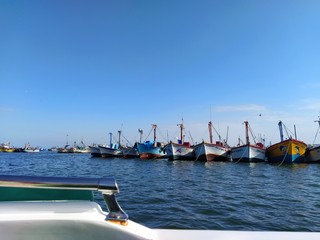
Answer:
x=193 y=195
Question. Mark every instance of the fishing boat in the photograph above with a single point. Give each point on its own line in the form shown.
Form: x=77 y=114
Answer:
x=313 y=151
x=28 y=149
x=95 y=150
x=151 y=149
x=6 y=147
x=82 y=148
x=287 y=150
x=249 y=152
x=33 y=207
x=181 y=150
x=111 y=151
x=207 y=152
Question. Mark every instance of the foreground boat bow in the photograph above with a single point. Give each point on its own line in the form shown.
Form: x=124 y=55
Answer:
x=62 y=208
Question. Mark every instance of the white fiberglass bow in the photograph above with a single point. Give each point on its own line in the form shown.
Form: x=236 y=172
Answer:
x=62 y=208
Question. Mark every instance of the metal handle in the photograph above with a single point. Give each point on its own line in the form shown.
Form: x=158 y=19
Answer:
x=107 y=186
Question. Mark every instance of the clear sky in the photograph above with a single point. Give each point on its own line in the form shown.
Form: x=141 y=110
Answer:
x=76 y=70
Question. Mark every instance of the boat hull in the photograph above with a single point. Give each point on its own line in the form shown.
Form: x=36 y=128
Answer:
x=207 y=152
x=95 y=151
x=107 y=152
x=248 y=153
x=130 y=152
x=175 y=151
x=288 y=151
x=149 y=151
x=313 y=155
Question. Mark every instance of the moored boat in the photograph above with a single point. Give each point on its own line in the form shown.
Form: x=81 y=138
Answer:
x=313 y=151
x=111 y=151
x=151 y=149
x=207 y=152
x=181 y=150
x=248 y=152
x=95 y=151
x=6 y=147
x=286 y=151
x=28 y=149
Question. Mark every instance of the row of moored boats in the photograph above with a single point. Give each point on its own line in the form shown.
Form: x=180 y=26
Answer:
x=289 y=150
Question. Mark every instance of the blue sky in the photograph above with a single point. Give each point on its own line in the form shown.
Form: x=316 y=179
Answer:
x=87 y=68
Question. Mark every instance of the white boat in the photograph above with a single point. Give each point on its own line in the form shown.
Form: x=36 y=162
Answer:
x=95 y=151
x=27 y=148
x=207 y=152
x=62 y=208
x=111 y=151
x=181 y=150
x=248 y=152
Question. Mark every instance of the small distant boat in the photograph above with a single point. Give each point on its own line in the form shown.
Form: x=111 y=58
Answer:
x=27 y=148
x=181 y=150
x=286 y=151
x=151 y=149
x=82 y=148
x=113 y=150
x=95 y=151
x=248 y=152
x=207 y=152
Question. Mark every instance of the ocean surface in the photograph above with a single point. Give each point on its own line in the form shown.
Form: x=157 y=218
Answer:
x=193 y=195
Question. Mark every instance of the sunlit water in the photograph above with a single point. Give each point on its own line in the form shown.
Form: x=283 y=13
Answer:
x=193 y=195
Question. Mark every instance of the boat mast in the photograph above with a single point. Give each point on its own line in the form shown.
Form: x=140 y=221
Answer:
x=154 y=126
x=295 y=132
x=210 y=131
x=247 y=132
x=181 y=132
x=141 y=133
x=110 y=135
x=281 y=130
x=119 y=132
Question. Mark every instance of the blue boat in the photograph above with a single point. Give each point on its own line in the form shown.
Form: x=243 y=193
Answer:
x=151 y=149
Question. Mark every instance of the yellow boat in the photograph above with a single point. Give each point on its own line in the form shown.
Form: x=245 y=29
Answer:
x=286 y=151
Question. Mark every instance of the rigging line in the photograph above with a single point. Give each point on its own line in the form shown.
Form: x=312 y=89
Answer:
x=202 y=147
x=126 y=139
x=315 y=137
x=284 y=155
x=252 y=134
x=243 y=154
x=148 y=134
x=287 y=129
x=162 y=135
